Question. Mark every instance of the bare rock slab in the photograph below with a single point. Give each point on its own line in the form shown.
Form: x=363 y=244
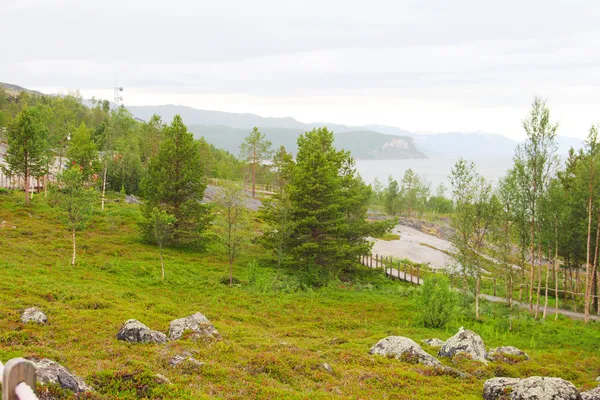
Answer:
x=50 y=372
x=508 y=354
x=134 y=331
x=404 y=349
x=533 y=388
x=34 y=315
x=464 y=342
x=197 y=324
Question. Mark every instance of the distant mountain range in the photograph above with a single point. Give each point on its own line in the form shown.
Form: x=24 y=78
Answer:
x=227 y=130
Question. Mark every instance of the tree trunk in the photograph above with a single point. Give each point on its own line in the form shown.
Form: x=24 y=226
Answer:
x=539 y=287
x=230 y=272
x=104 y=183
x=74 y=248
x=556 y=266
x=532 y=261
x=254 y=172
x=26 y=187
x=477 y=282
x=546 y=294
x=162 y=264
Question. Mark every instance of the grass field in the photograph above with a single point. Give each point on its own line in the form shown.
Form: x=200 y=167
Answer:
x=274 y=341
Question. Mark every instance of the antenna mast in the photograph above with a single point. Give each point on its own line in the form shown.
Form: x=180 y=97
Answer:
x=118 y=98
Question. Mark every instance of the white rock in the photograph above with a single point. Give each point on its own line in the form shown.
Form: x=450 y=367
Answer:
x=508 y=354
x=134 y=331
x=465 y=342
x=533 y=388
x=34 y=314
x=50 y=372
x=405 y=349
x=197 y=323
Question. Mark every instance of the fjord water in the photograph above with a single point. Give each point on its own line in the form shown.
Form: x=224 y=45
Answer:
x=436 y=168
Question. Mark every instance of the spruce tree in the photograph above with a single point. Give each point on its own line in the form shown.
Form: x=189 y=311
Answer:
x=175 y=184
x=328 y=209
x=27 y=154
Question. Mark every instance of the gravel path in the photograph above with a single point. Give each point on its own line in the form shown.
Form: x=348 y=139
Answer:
x=416 y=246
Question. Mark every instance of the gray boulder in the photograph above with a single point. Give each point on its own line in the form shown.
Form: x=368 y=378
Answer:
x=404 y=349
x=135 y=332
x=533 y=388
x=35 y=315
x=593 y=394
x=50 y=372
x=185 y=358
x=464 y=342
x=197 y=323
x=433 y=342
x=507 y=354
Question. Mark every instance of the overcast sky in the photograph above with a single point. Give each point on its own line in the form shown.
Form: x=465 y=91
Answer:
x=425 y=66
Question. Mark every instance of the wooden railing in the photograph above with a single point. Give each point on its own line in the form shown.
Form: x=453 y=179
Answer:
x=18 y=380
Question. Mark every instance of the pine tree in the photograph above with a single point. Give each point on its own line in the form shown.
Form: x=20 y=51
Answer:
x=254 y=149
x=175 y=184
x=27 y=154
x=328 y=204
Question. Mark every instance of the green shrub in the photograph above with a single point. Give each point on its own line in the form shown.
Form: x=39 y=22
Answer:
x=4 y=191
x=436 y=302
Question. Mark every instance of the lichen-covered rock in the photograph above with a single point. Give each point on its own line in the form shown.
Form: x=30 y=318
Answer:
x=533 y=388
x=593 y=394
x=50 y=372
x=34 y=314
x=404 y=349
x=464 y=342
x=327 y=368
x=185 y=358
x=435 y=342
x=135 y=332
x=161 y=379
x=508 y=354
x=197 y=323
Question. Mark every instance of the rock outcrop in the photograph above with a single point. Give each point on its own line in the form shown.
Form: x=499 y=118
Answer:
x=508 y=354
x=533 y=388
x=35 y=315
x=135 y=332
x=50 y=372
x=593 y=394
x=197 y=324
x=464 y=342
x=404 y=349
x=435 y=342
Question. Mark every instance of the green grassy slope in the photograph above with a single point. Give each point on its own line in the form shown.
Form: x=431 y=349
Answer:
x=273 y=343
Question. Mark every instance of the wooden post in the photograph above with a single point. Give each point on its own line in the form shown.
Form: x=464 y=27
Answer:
x=405 y=276
x=376 y=261
x=494 y=286
x=371 y=264
x=418 y=275
x=16 y=371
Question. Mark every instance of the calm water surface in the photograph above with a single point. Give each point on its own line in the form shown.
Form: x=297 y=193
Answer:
x=435 y=169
